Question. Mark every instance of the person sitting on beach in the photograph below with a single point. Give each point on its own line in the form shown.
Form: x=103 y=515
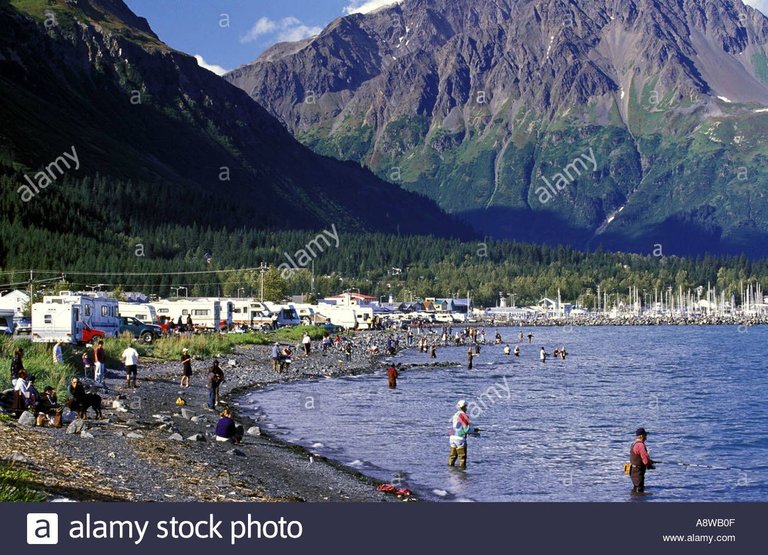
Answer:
x=20 y=393
x=49 y=406
x=226 y=429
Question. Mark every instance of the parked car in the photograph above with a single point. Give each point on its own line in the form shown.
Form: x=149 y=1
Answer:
x=89 y=334
x=146 y=333
x=24 y=327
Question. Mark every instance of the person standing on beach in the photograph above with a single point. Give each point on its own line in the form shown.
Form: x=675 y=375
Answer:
x=520 y=337
x=58 y=356
x=276 y=357
x=433 y=351
x=306 y=341
x=190 y=327
x=392 y=376
x=640 y=461
x=457 y=440
x=186 y=367
x=215 y=378
x=470 y=356
x=130 y=358
x=17 y=364
x=100 y=360
x=86 y=363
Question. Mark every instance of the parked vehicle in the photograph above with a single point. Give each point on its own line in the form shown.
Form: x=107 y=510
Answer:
x=74 y=317
x=24 y=327
x=205 y=313
x=146 y=333
x=6 y=322
x=144 y=312
x=343 y=317
x=283 y=315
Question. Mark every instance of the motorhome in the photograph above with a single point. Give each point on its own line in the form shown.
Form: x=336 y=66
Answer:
x=143 y=312
x=364 y=317
x=254 y=314
x=306 y=312
x=340 y=316
x=283 y=315
x=74 y=317
x=205 y=313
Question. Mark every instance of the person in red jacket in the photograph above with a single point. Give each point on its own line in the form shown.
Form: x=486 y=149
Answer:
x=392 y=376
x=640 y=461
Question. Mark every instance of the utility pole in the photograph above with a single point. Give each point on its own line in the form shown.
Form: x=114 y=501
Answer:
x=262 y=269
x=31 y=277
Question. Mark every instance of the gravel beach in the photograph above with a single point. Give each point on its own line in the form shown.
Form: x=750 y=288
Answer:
x=146 y=448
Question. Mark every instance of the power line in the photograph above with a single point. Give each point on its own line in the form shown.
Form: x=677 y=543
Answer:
x=197 y=272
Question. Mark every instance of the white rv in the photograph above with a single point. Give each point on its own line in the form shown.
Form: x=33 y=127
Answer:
x=340 y=316
x=364 y=317
x=74 y=317
x=143 y=312
x=205 y=313
x=305 y=311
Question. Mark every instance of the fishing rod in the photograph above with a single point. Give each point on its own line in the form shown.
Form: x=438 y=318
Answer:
x=692 y=465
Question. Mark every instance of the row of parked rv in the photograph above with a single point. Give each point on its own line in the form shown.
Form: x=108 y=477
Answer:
x=74 y=317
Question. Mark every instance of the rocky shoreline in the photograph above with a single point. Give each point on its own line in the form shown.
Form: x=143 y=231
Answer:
x=145 y=449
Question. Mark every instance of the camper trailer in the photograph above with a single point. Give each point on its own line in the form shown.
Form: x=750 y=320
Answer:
x=339 y=316
x=205 y=313
x=74 y=318
x=143 y=312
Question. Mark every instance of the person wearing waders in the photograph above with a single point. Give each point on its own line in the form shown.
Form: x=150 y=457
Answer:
x=470 y=354
x=392 y=376
x=640 y=461
x=458 y=435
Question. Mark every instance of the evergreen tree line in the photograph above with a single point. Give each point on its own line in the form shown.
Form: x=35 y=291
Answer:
x=126 y=242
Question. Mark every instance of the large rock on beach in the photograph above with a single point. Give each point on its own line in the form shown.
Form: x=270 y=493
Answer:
x=27 y=419
x=76 y=427
x=188 y=414
x=196 y=437
x=254 y=431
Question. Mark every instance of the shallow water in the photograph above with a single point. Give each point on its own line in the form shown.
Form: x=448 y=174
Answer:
x=558 y=431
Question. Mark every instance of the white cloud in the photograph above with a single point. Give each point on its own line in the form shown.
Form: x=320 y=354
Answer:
x=761 y=5
x=263 y=26
x=288 y=29
x=218 y=70
x=365 y=6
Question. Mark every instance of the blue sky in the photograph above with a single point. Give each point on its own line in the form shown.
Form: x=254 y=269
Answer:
x=224 y=34
x=229 y=33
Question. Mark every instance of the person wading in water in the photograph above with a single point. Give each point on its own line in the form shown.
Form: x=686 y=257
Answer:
x=640 y=461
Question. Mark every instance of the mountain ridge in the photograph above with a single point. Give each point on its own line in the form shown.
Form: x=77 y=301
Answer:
x=473 y=102
x=92 y=73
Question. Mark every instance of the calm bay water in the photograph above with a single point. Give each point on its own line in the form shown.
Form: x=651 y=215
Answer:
x=558 y=431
